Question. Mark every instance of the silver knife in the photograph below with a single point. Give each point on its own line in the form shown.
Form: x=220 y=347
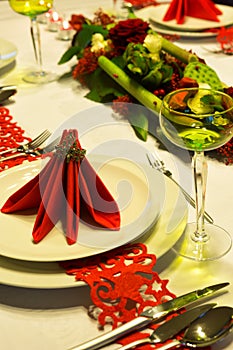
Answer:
x=171 y=328
x=153 y=314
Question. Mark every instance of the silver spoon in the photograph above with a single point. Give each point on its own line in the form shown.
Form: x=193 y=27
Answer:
x=207 y=330
x=6 y=92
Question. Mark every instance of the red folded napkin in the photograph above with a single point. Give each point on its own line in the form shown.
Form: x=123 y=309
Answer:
x=67 y=186
x=204 y=9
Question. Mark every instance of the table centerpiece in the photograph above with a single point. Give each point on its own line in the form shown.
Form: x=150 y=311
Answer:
x=119 y=64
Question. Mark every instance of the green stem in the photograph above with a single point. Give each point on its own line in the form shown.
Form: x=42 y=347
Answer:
x=144 y=96
x=177 y=51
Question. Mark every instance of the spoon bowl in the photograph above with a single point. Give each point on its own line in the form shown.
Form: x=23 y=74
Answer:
x=209 y=328
x=206 y=330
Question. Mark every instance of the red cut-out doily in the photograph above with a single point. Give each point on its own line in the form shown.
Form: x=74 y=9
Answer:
x=122 y=282
x=11 y=135
x=225 y=39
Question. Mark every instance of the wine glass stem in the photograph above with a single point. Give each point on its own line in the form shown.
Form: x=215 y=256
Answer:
x=200 y=176
x=35 y=34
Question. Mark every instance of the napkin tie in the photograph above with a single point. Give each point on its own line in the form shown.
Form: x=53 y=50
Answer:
x=67 y=186
x=203 y=9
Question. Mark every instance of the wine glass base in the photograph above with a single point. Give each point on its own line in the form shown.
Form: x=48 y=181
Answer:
x=39 y=77
x=218 y=244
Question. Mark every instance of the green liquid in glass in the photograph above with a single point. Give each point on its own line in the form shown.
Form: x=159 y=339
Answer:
x=30 y=8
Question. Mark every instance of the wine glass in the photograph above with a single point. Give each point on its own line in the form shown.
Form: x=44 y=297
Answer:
x=199 y=120
x=32 y=8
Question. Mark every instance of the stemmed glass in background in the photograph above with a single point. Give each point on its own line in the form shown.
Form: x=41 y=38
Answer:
x=199 y=120
x=33 y=8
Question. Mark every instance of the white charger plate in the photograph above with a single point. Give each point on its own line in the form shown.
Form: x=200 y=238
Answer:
x=161 y=238
x=8 y=52
x=156 y=13
x=139 y=192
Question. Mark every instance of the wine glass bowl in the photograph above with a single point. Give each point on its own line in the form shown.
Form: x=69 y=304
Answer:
x=190 y=123
x=199 y=120
x=31 y=9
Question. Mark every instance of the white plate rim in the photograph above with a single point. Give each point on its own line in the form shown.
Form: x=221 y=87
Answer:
x=37 y=252
x=42 y=275
x=166 y=31
x=156 y=14
x=9 y=53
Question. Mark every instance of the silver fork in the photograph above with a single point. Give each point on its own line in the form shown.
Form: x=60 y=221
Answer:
x=36 y=152
x=158 y=164
x=36 y=142
x=28 y=147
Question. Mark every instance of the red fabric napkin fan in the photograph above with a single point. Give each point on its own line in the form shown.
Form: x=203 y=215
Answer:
x=66 y=186
x=204 y=9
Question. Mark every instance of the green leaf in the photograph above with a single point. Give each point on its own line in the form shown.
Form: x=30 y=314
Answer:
x=102 y=87
x=139 y=122
x=83 y=38
x=72 y=51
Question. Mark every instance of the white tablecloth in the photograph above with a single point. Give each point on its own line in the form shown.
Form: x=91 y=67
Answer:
x=57 y=319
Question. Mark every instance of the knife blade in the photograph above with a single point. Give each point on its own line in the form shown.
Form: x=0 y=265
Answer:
x=172 y=327
x=154 y=314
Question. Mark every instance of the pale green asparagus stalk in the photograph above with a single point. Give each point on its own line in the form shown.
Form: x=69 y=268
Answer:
x=144 y=96
x=141 y=94
x=177 y=51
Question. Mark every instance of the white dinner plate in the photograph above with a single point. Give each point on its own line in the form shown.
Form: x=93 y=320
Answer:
x=138 y=189
x=184 y=34
x=156 y=13
x=8 y=52
x=159 y=240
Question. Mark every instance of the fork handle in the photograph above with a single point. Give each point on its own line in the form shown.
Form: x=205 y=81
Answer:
x=2 y=159
x=7 y=151
x=191 y=200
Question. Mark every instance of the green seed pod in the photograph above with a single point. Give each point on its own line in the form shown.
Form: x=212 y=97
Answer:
x=203 y=74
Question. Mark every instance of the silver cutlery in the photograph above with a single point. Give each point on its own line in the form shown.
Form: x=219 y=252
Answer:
x=6 y=92
x=32 y=145
x=206 y=330
x=172 y=327
x=158 y=164
x=35 y=152
x=153 y=314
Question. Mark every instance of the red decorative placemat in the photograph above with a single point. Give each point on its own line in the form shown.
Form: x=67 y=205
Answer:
x=123 y=283
x=11 y=135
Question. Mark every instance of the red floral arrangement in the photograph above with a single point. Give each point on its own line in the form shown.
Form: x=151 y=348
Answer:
x=154 y=62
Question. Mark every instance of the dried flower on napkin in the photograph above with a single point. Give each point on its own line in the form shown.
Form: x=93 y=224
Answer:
x=67 y=185
x=204 y=9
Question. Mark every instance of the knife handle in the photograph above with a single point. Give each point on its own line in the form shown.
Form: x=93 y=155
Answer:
x=115 y=334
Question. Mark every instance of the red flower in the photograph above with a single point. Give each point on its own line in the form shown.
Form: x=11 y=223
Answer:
x=130 y=30
x=77 y=21
x=86 y=65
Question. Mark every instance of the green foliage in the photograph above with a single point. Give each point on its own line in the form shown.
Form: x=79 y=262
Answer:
x=102 y=87
x=139 y=122
x=81 y=40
